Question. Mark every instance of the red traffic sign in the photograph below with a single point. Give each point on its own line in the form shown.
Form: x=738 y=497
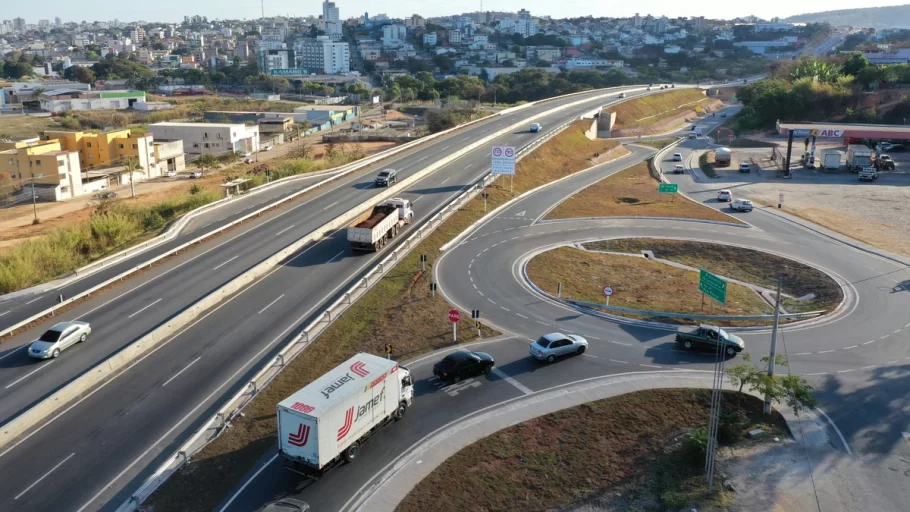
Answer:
x=454 y=316
x=608 y=290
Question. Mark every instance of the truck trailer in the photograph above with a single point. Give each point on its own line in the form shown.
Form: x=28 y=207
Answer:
x=858 y=157
x=326 y=423
x=722 y=157
x=831 y=160
x=370 y=231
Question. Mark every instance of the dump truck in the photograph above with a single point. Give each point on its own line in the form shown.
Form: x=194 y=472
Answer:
x=722 y=157
x=326 y=423
x=858 y=157
x=370 y=231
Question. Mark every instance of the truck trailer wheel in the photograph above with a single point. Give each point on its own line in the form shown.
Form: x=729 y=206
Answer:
x=351 y=452
x=402 y=409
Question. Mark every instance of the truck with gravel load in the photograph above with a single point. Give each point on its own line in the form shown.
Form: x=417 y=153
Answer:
x=370 y=231
x=858 y=157
x=326 y=423
x=722 y=157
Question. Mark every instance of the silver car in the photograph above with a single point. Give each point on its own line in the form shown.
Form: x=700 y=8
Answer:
x=59 y=338
x=551 y=346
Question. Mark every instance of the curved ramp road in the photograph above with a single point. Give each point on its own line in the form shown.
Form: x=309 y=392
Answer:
x=121 y=431
x=856 y=357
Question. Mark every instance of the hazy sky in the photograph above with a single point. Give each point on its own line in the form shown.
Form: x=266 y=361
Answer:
x=174 y=10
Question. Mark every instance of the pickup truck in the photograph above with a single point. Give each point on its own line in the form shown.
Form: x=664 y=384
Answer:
x=868 y=174
x=709 y=337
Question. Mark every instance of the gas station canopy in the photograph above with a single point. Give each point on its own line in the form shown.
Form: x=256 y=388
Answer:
x=845 y=131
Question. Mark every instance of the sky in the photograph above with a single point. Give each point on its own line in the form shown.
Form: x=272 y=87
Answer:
x=175 y=10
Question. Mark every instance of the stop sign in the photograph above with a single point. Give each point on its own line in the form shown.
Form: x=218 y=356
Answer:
x=454 y=316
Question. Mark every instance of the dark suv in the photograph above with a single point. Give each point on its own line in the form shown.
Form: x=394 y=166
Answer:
x=386 y=178
x=459 y=365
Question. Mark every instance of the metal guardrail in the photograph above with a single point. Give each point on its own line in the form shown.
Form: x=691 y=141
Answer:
x=665 y=314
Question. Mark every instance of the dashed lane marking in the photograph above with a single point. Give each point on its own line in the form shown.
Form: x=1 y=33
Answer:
x=518 y=385
x=618 y=361
x=519 y=314
x=850 y=347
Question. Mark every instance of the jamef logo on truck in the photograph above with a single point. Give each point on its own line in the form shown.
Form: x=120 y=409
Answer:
x=362 y=410
x=301 y=437
x=359 y=369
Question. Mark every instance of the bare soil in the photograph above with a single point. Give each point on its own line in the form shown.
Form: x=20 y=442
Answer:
x=654 y=108
x=621 y=452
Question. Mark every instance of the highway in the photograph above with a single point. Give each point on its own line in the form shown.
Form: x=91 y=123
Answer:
x=857 y=357
x=112 y=438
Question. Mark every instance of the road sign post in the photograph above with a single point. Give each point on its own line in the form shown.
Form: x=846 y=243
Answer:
x=388 y=351
x=503 y=160
x=608 y=292
x=668 y=188
x=433 y=289
x=780 y=199
x=423 y=262
x=454 y=317
x=475 y=315
x=712 y=286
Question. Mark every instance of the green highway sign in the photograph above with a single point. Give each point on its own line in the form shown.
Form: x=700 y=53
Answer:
x=712 y=286
x=668 y=188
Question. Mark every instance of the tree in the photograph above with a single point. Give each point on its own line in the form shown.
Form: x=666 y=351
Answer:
x=792 y=390
x=856 y=63
x=79 y=74
x=206 y=161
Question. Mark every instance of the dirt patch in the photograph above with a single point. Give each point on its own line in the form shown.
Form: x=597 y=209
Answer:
x=621 y=449
x=638 y=283
x=651 y=113
x=398 y=310
x=755 y=267
x=632 y=193
x=24 y=126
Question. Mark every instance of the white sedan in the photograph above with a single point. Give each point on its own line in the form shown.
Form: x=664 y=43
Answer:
x=724 y=196
x=742 y=205
x=59 y=338
x=550 y=346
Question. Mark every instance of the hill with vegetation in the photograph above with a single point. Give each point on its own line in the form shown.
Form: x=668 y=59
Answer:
x=865 y=17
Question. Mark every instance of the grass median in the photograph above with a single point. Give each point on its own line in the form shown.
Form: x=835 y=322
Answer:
x=706 y=164
x=632 y=193
x=638 y=283
x=651 y=110
x=630 y=452
x=398 y=310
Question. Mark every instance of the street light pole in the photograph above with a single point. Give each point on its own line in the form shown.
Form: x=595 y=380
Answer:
x=34 y=202
x=767 y=408
x=129 y=166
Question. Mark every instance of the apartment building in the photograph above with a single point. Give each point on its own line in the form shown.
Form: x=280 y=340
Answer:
x=44 y=167
x=324 y=56
x=213 y=138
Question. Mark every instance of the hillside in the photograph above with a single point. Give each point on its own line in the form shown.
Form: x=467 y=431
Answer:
x=895 y=16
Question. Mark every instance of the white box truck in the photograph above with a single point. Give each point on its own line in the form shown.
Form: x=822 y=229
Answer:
x=831 y=161
x=326 y=422
x=858 y=157
x=722 y=157
x=370 y=231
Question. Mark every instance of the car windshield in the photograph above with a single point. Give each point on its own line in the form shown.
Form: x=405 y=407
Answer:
x=723 y=334
x=543 y=342
x=51 y=336
x=383 y=174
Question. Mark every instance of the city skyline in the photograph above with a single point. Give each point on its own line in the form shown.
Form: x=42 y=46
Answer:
x=69 y=12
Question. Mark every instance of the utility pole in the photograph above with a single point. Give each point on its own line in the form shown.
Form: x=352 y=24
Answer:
x=767 y=409
x=34 y=202
x=129 y=166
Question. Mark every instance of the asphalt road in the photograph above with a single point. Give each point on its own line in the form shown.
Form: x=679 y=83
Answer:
x=111 y=439
x=857 y=357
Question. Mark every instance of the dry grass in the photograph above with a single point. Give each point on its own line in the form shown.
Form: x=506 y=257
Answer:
x=745 y=265
x=626 y=445
x=398 y=310
x=652 y=109
x=630 y=193
x=638 y=283
x=24 y=126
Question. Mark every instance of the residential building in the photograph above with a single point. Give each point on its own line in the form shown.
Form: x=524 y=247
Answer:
x=44 y=168
x=547 y=53
x=331 y=21
x=429 y=39
x=62 y=100
x=325 y=56
x=591 y=63
x=761 y=47
x=109 y=151
x=138 y=35
x=271 y=60
x=455 y=36
x=213 y=138
x=776 y=27
x=394 y=35
x=415 y=21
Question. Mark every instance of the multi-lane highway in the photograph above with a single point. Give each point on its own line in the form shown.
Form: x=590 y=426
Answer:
x=111 y=438
x=856 y=357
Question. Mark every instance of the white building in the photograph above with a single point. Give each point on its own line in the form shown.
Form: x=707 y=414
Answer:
x=324 y=56
x=214 y=138
x=394 y=35
x=62 y=100
x=590 y=63
x=430 y=39
x=331 y=20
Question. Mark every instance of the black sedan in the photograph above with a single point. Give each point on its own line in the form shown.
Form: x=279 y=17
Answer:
x=459 y=365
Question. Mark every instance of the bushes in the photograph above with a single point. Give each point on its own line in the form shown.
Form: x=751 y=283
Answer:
x=111 y=227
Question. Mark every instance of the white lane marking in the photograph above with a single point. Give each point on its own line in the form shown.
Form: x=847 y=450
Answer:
x=143 y=309
x=811 y=374
x=33 y=300
x=473 y=284
x=841 y=436
x=181 y=371
x=870 y=341
x=867 y=367
x=803 y=354
x=885 y=336
x=285 y=229
x=38 y=481
x=331 y=205
x=29 y=374
x=480 y=292
x=897 y=331
x=518 y=385
x=422 y=159
x=443 y=149
x=905 y=327
x=519 y=314
x=892 y=362
x=270 y=304
x=851 y=346
x=226 y=262
x=444 y=181
x=335 y=256
x=649 y=365
x=824 y=351
x=467 y=166
x=5 y=312
x=845 y=371
x=415 y=200
x=618 y=361
x=506 y=309
x=491 y=300
x=248 y=482
x=542 y=323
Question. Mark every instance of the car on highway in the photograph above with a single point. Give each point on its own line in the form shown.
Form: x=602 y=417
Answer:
x=536 y=128
x=741 y=205
x=461 y=364
x=677 y=157
x=679 y=169
x=745 y=167
x=709 y=337
x=550 y=346
x=386 y=178
x=724 y=196
x=723 y=114
x=286 y=505
x=622 y=95
x=59 y=338
x=693 y=135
